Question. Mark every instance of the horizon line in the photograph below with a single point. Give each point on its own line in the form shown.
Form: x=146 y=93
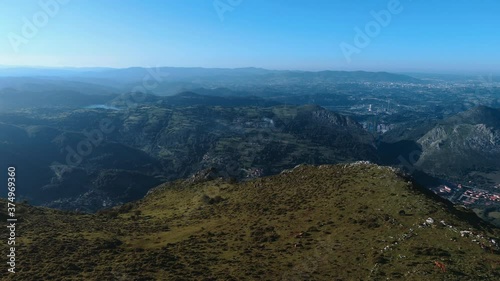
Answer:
x=459 y=73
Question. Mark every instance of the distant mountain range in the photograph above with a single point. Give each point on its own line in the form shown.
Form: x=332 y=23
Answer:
x=137 y=73
x=172 y=80
x=188 y=99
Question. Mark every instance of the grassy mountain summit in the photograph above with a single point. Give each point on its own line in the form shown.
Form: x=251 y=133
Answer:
x=344 y=222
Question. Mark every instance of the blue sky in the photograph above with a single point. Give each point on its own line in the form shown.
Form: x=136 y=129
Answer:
x=425 y=36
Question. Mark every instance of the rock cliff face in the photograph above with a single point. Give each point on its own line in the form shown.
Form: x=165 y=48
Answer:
x=461 y=144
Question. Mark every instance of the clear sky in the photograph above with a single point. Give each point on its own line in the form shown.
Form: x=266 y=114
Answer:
x=424 y=36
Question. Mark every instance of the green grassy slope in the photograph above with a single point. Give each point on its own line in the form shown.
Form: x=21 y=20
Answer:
x=343 y=222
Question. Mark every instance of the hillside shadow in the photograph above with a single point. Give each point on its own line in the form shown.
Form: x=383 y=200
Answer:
x=391 y=153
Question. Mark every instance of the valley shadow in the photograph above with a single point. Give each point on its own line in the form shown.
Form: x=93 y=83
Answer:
x=393 y=153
